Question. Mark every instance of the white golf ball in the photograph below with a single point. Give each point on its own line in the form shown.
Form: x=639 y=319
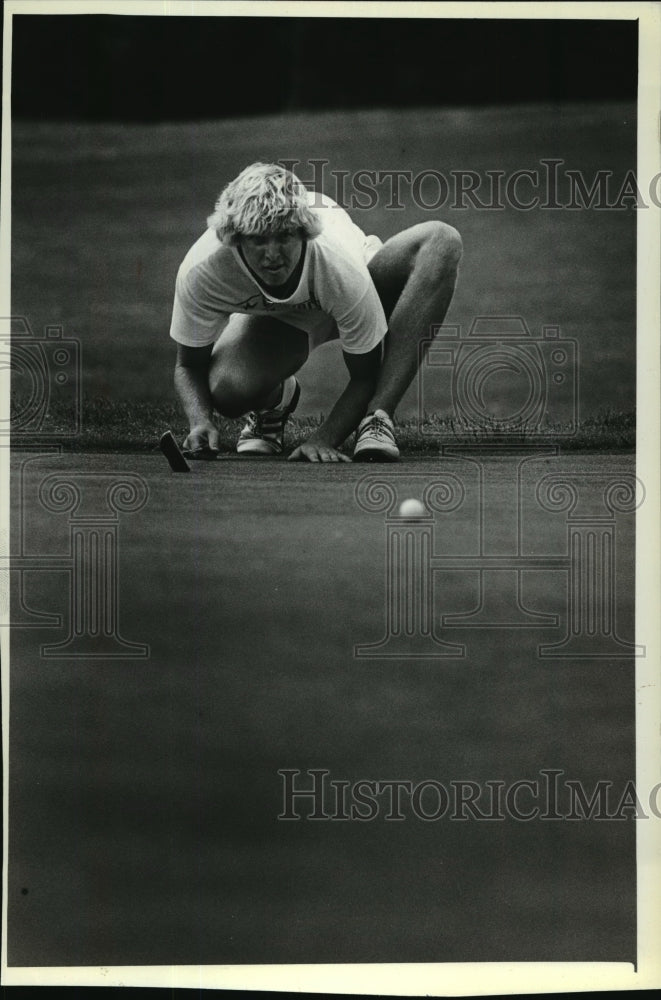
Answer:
x=412 y=508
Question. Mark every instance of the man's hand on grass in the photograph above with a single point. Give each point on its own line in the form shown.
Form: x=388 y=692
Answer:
x=317 y=451
x=202 y=442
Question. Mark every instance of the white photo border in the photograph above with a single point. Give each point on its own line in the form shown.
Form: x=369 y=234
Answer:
x=458 y=979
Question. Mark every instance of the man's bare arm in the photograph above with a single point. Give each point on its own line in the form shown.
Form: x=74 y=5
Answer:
x=191 y=380
x=348 y=410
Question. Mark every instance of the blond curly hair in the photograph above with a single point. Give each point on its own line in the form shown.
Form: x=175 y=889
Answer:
x=264 y=199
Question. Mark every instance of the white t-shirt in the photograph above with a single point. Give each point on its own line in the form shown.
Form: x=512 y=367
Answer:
x=335 y=296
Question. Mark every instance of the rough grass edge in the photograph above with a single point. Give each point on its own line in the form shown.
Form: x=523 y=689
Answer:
x=136 y=427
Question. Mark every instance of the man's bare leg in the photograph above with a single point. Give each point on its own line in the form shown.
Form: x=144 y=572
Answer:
x=250 y=361
x=250 y=372
x=415 y=274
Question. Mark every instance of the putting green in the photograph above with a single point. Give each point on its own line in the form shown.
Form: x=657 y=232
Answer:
x=145 y=794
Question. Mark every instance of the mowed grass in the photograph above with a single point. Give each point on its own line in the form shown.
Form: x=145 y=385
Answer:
x=136 y=427
x=145 y=793
x=102 y=215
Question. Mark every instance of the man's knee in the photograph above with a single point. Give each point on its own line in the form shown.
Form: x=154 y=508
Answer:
x=445 y=243
x=234 y=394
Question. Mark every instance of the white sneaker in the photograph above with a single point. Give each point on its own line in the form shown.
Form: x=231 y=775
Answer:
x=375 y=440
x=264 y=430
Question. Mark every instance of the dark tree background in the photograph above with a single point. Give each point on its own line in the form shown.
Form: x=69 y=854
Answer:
x=137 y=68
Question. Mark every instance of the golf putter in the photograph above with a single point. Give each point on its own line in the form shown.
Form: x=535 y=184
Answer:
x=171 y=450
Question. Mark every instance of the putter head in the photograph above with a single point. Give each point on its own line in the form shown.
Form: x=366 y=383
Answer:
x=170 y=449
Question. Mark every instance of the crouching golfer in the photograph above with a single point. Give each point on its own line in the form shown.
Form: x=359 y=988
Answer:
x=280 y=271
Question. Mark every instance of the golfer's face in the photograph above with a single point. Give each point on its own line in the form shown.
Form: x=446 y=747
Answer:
x=273 y=257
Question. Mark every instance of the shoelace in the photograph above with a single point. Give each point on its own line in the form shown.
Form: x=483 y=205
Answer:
x=378 y=428
x=268 y=422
